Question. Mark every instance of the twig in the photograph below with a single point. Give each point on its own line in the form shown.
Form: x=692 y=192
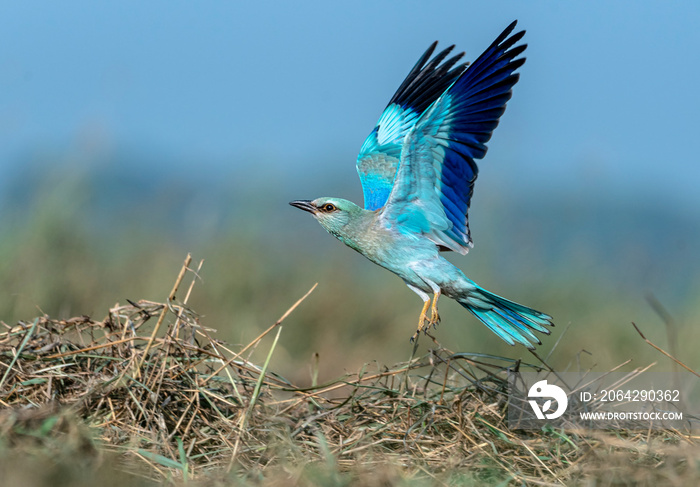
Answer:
x=260 y=337
x=665 y=352
x=171 y=297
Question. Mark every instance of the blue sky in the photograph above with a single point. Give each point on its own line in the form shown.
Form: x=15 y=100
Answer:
x=607 y=102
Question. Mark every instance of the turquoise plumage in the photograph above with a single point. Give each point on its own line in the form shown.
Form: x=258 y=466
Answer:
x=417 y=172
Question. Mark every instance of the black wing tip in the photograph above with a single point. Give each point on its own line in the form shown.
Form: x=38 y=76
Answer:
x=425 y=57
x=511 y=28
x=434 y=73
x=429 y=78
x=505 y=40
x=516 y=37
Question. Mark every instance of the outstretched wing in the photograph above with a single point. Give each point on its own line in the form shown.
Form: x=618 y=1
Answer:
x=379 y=155
x=435 y=179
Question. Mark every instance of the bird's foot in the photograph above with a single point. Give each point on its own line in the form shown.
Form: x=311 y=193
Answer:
x=424 y=323
x=434 y=320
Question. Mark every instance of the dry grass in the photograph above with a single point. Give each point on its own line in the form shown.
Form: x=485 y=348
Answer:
x=151 y=390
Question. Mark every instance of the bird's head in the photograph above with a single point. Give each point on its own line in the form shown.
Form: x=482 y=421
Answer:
x=333 y=214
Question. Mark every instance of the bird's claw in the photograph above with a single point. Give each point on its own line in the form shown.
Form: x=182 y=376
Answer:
x=434 y=321
x=425 y=324
x=431 y=323
x=434 y=316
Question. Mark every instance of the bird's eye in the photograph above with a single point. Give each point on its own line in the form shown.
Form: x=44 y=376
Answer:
x=328 y=207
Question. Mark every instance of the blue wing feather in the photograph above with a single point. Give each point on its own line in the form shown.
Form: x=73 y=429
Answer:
x=378 y=160
x=437 y=162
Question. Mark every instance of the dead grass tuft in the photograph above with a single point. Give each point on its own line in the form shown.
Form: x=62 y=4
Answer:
x=152 y=384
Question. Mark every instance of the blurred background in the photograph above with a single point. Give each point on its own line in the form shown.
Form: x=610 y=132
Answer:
x=132 y=133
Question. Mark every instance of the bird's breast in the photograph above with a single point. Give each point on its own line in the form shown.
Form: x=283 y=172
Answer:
x=394 y=250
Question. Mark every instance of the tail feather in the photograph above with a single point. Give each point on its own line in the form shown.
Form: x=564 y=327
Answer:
x=512 y=322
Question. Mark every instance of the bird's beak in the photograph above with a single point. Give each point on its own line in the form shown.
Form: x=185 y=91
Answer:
x=304 y=205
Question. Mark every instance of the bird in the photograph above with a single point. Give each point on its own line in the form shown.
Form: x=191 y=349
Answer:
x=417 y=169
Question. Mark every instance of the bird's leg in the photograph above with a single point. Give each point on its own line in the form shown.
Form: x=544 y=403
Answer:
x=424 y=323
x=434 y=316
x=422 y=319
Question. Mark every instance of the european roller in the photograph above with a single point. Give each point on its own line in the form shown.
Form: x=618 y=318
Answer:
x=417 y=171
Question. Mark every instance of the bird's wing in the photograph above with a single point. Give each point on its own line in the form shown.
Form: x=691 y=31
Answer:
x=379 y=155
x=435 y=179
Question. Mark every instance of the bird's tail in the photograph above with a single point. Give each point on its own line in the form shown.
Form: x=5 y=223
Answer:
x=511 y=321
